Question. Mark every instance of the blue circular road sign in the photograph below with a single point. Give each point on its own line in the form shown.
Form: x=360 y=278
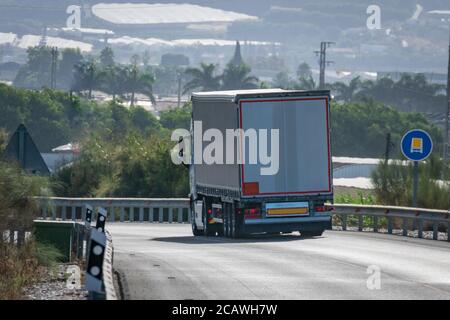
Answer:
x=417 y=145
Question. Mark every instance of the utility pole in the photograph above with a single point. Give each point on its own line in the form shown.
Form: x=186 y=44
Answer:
x=447 y=114
x=389 y=146
x=43 y=40
x=323 y=61
x=179 y=88
x=54 y=53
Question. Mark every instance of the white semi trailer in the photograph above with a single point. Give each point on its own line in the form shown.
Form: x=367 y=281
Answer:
x=285 y=189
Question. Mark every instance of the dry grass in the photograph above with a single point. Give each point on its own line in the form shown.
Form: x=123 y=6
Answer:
x=18 y=267
x=21 y=266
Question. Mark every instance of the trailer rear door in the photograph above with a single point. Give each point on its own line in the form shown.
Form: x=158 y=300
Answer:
x=304 y=146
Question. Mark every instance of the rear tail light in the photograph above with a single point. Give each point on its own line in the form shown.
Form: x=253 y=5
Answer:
x=321 y=209
x=252 y=213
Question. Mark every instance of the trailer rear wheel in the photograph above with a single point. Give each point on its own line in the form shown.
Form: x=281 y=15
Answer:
x=196 y=232
x=232 y=223
x=236 y=223
x=227 y=220
x=224 y=222
x=311 y=234
x=207 y=229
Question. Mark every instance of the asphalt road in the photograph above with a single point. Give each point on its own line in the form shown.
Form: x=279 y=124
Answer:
x=164 y=261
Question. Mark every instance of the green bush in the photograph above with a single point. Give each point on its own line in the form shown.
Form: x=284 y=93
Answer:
x=134 y=166
x=393 y=184
x=47 y=255
x=17 y=188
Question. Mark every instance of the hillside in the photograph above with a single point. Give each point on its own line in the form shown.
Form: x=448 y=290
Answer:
x=404 y=43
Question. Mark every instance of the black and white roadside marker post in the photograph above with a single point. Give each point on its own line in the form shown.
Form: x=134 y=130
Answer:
x=87 y=215
x=88 y=210
x=101 y=220
x=94 y=271
x=97 y=245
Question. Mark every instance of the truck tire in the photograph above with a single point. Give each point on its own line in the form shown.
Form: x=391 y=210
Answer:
x=195 y=231
x=236 y=225
x=232 y=223
x=226 y=220
x=311 y=234
x=207 y=229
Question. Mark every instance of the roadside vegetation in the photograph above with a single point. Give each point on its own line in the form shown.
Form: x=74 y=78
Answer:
x=393 y=184
x=20 y=263
x=125 y=150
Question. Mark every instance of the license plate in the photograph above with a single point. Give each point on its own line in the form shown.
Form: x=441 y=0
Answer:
x=287 y=208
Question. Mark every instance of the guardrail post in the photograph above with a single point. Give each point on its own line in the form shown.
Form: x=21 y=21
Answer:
x=360 y=222
x=344 y=222
x=160 y=214
x=20 y=236
x=131 y=214
x=420 y=228
x=151 y=211
x=171 y=210
x=112 y=214
x=63 y=213
x=44 y=212
x=405 y=227
x=375 y=224
x=141 y=214
x=389 y=220
x=435 y=231
x=180 y=215
x=122 y=214
x=73 y=213
x=53 y=208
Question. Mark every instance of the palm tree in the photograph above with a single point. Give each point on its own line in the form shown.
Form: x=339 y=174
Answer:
x=306 y=83
x=202 y=78
x=85 y=77
x=238 y=77
x=347 y=92
x=111 y=80
x=136 y=81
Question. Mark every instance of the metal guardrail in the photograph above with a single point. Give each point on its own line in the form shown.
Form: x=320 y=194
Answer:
x=177 y=210
x=411 y=218
x=119 y=209
x=108 y=272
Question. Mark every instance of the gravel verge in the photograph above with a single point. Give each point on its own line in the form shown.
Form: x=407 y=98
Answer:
x=60 y=283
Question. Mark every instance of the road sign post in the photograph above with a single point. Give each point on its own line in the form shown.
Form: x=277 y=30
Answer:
x=415 y=183
x=416 y=146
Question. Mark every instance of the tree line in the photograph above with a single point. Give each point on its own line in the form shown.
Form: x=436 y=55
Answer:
x=410 y=93
x=207 y=78
x=86 y=74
